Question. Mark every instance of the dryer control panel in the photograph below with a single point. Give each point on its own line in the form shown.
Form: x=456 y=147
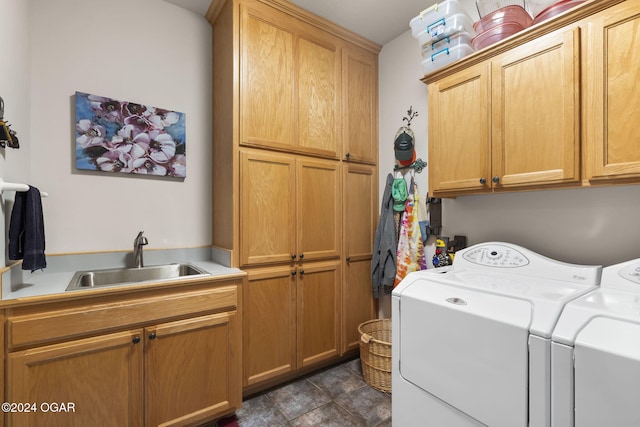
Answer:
x=624 y=276
x=495 y=255
x=631 y=273
x=513 y=259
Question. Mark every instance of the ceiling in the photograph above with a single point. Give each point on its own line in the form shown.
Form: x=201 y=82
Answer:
x=377 y=20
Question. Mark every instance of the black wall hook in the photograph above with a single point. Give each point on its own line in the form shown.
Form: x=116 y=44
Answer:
x=8 y=137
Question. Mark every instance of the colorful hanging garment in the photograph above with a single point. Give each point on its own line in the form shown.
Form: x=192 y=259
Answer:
x=410 y=255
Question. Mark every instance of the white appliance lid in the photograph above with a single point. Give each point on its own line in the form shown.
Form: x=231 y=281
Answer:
x=625 y=275
x=617 y=298
x=514 y=272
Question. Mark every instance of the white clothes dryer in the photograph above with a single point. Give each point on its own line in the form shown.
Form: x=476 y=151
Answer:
x=596 y=354
x=471 y=343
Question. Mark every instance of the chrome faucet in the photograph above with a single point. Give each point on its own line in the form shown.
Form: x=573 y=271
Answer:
x=138 y=243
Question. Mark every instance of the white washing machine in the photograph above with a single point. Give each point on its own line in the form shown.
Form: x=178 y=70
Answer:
x=471 y=343
x=596 y=354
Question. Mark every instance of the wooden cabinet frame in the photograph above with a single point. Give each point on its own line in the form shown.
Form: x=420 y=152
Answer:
x=594 y=49
x=169 y=356
x=295 y=100
x=509 y=122
x=612 y=95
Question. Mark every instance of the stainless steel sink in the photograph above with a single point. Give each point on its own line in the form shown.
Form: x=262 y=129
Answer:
x=121 y=276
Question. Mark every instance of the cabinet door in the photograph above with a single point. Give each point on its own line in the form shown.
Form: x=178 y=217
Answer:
x=360 y=218
x=267 y=76
x=98 y=380
x=360 y=100
x=319 y=209
x=290 y=81
x=460 y=132
x=192 y=369
x=612 y=94
x=267 y=208
x=536 y=112
x=269 y=324
x=318 y=312
x=317 y=83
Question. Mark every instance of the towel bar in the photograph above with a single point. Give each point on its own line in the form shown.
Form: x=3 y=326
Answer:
x=14 y=186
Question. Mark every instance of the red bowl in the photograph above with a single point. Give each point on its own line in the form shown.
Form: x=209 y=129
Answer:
x=512 y=13
x=556 y=9
x=495 y=34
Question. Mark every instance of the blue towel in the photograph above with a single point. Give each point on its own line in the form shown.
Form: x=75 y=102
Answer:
x=26 y=230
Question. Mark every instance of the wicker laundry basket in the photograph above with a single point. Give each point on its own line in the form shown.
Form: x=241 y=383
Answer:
x=375 y=353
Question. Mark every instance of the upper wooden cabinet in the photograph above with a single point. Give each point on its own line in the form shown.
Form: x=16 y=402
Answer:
x=549 y=107
x=612 y=94
x=290 y=82
x=460 y=131
x=535 y=105
x=508 y=122
x=360 y=79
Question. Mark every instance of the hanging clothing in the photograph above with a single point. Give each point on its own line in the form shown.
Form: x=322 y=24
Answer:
x=423 y=220
x=26 y=230
x=385 y=245
x=399 y=192
x=410 y=255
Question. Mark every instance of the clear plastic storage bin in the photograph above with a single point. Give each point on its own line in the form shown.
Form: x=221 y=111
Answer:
x=446 y=26
x=444 y=56
x=461 y=38
x=434 y=13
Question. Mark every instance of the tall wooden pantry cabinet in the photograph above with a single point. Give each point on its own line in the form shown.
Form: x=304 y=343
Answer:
x=295 y=142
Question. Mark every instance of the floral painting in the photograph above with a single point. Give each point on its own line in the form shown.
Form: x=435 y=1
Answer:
x=125 y=137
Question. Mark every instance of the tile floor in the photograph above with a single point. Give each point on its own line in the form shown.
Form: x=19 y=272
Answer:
x=334 y=397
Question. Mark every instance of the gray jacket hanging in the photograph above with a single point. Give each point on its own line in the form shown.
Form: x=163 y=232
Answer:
x=385 y=245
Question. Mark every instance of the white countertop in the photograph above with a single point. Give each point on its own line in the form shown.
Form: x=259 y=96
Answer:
x=19 y=284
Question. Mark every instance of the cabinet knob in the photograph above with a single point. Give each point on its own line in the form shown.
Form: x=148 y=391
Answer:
x=301 y=256
x=301 y=272
x=152 y=336
x=293 y=272
x=483 y=181
x=347 y=155
x=495 y=179
x=135 y=339
x=348 y=259
x=293 y=256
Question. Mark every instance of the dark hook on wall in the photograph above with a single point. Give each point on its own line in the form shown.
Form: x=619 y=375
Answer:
x=8 y=137
x=418 y=166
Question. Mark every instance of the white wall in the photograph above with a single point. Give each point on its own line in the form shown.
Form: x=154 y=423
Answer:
x=146 y=51
x=586 y=225
x=156 y=53
x=399 y=88
x=15 y=91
